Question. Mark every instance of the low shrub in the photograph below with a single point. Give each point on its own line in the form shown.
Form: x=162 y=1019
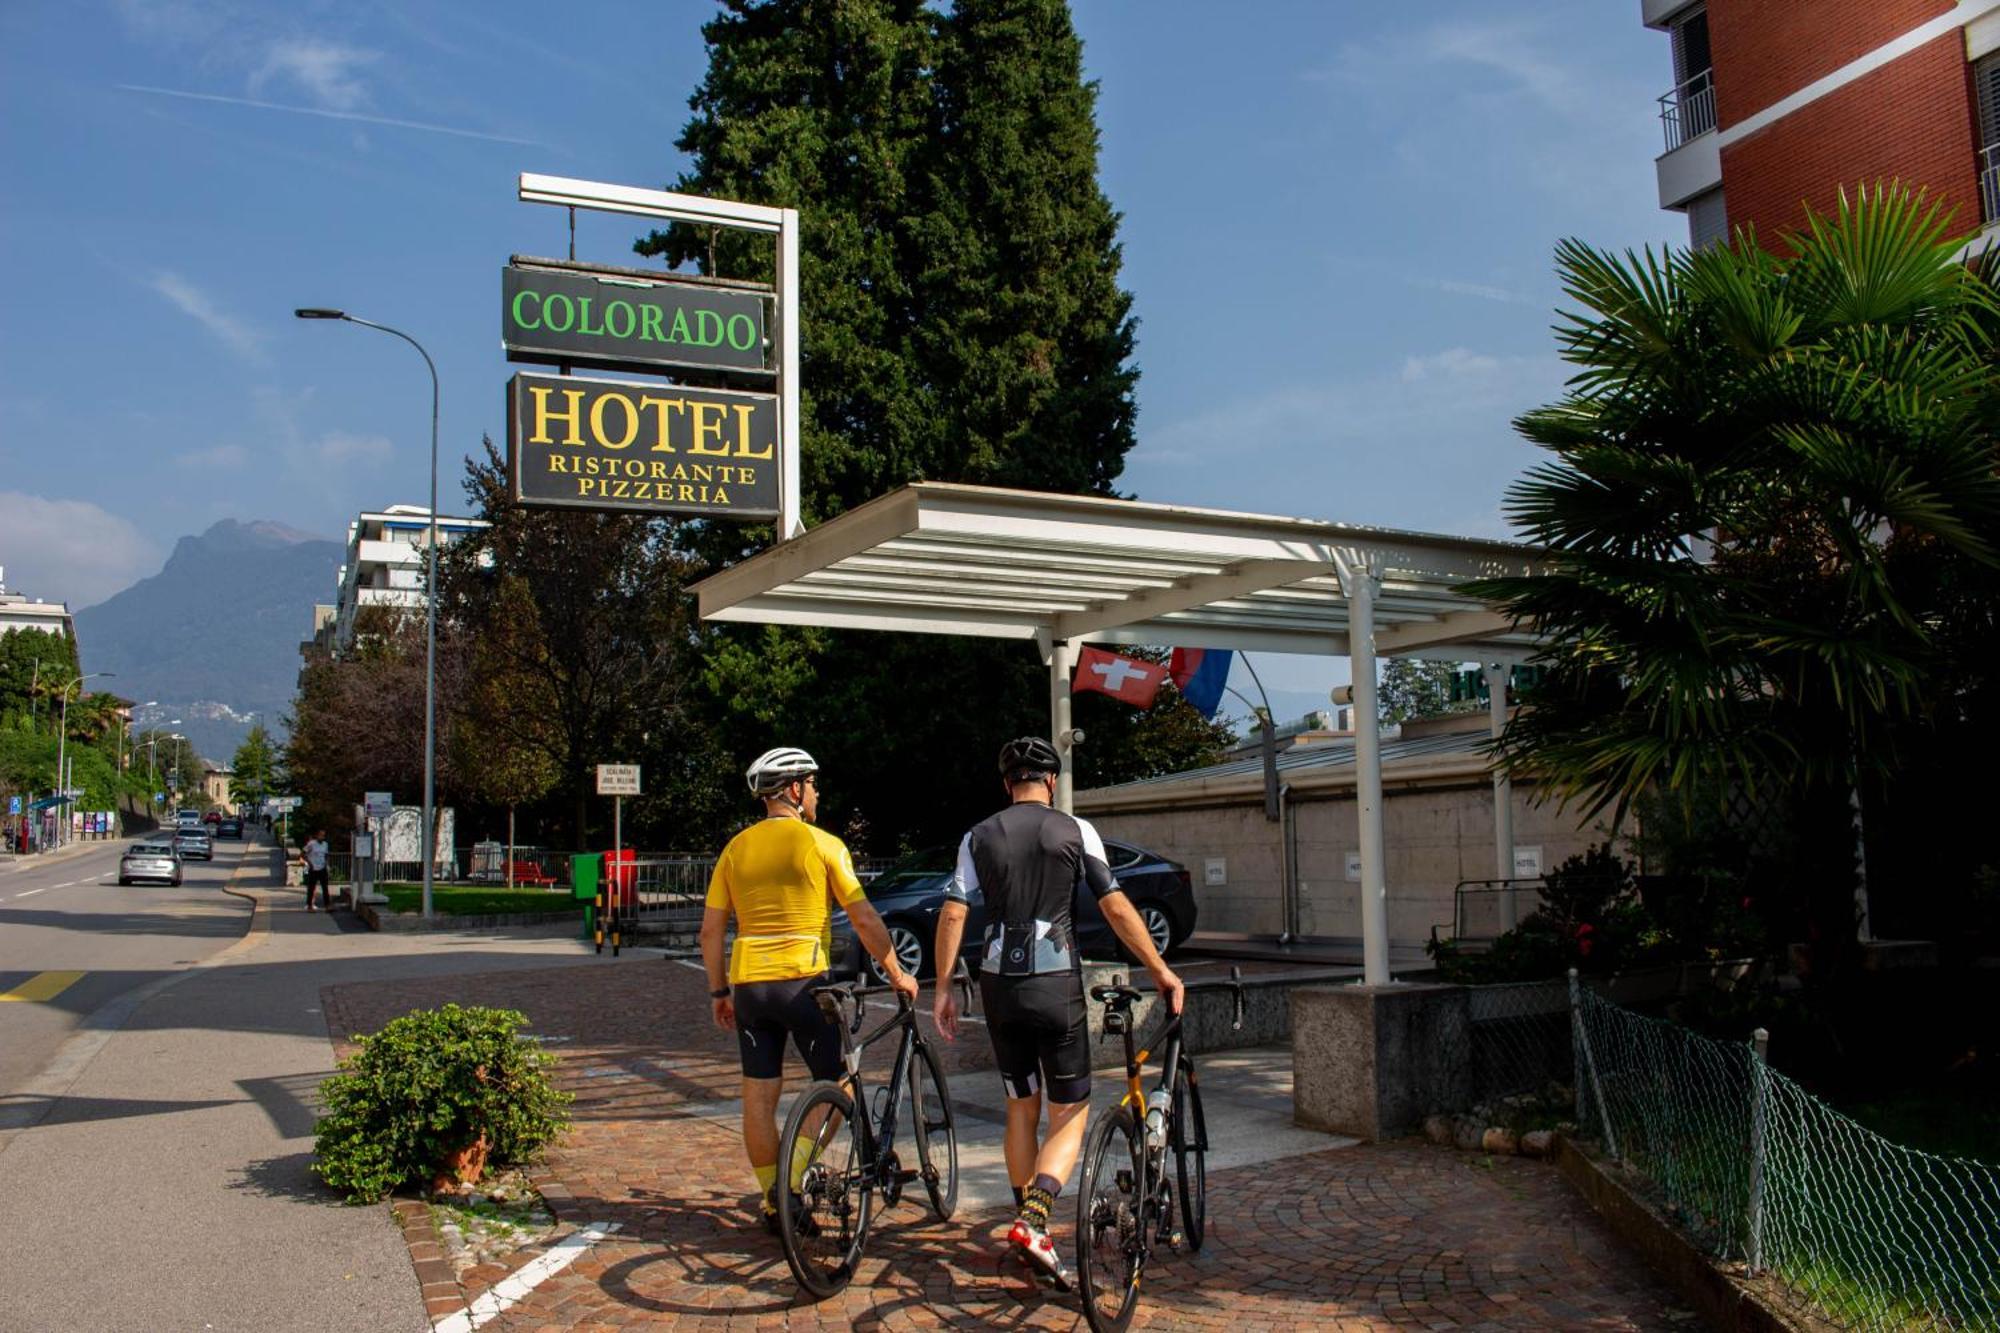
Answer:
x=431 y=1087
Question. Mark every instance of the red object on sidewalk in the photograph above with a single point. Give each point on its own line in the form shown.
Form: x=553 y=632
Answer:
x=1126 y=679
x=621 y=878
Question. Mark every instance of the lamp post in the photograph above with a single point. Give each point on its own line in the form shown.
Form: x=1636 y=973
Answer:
x=62 y=755
x=430 y=601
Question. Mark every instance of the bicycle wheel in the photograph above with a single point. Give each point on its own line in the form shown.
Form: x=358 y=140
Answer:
x=936 y=1132
x=823 y=1222
x=1190 y=1144
x=1110 y=1232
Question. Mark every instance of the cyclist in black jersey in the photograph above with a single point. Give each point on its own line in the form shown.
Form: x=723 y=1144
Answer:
x=1028 y=861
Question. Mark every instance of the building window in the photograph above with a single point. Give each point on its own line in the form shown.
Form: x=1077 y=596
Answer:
x=1689 y=110
x=1986 y=85
x=1708 y=220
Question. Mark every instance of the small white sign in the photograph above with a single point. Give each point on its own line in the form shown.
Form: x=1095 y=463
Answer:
x=379 y=804
x=618 y=780
x=1527 y=862
x=1215 y=872
x=364 y=844
x=1354 y=867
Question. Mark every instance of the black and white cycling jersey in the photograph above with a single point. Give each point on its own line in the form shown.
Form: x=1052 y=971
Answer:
x=1028 y=860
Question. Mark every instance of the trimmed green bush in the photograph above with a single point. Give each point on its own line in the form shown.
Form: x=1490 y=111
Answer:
x=429 y=1086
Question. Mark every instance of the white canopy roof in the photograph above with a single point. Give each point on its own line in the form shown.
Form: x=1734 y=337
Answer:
x=948 y=559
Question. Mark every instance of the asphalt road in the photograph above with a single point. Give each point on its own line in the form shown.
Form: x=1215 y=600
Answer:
x=72 y=940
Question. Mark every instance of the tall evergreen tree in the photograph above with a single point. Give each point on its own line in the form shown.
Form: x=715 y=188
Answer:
x=962 y=321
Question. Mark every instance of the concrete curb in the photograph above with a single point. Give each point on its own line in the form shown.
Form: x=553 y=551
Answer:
x=1725 y=1302
x=411 y=923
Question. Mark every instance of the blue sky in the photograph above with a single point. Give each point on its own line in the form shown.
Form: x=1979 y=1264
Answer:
x=1338 y=221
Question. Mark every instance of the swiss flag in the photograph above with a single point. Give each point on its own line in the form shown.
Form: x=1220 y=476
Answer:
x=1125 y=678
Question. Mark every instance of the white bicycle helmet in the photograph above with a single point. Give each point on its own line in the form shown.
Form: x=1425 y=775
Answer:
x=770 y=772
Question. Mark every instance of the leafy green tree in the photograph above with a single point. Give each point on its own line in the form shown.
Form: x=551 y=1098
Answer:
x=254 y=769
x=509 y=747
x=1414 y=687
x=1767 y=469
x=34 y=665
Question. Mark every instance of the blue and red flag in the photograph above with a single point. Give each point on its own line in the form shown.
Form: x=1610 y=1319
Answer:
x=1200 y=675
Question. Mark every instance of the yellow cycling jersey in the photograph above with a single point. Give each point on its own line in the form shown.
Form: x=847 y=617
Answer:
x=775 y=876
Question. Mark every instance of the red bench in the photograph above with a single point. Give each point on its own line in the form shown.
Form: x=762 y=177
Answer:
x=527 y=872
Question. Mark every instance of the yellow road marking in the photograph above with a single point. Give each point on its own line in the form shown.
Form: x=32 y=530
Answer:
x=42 y=986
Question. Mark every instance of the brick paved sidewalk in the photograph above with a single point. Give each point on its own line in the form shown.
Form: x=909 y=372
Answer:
x=1401 y=1236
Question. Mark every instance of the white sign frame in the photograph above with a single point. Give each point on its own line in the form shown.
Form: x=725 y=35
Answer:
x=783 y=223
x=618 y=780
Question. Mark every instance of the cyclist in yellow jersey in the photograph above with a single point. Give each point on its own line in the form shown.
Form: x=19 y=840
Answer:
x=777 y=877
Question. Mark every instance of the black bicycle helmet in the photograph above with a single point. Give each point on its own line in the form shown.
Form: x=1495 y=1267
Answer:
x=1027 y=757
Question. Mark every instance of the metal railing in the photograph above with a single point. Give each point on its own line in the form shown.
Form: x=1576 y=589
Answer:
x=1478 y=912
x=1869 y=1234
x=1989 y=182
x=1688 y=112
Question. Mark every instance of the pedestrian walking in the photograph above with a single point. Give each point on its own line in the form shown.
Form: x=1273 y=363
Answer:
x=315 y=859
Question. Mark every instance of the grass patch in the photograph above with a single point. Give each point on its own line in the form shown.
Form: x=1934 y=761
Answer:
x=480 y=900
x=1950 y=1120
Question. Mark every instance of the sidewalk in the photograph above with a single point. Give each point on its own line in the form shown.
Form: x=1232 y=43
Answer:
x=167 y=1186
x=1306 y=1231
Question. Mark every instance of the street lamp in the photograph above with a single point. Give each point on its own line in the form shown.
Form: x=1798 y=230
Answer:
x=430 y=601
x=62 y=753
x=152 y=754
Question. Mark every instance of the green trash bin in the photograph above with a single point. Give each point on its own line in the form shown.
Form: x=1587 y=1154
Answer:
x=585 y=869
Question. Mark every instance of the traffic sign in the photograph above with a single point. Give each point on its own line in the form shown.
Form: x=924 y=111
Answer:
x=13 y=805
x=618 y=780
x=379 y=804
x=278 y=803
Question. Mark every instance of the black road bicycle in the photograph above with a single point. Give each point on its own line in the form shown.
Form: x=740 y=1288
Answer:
x=823 y=1221
x=1127 y=1203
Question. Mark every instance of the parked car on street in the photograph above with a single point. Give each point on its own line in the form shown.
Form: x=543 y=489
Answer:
x=150 y=860
x=910 y=893
x=194 y=844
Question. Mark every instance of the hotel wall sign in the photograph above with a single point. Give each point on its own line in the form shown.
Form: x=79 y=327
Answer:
x=643 y=447
x=553 y=312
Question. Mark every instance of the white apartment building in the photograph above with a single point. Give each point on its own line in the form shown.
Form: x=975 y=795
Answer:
x=18 y=612
x=386 y=554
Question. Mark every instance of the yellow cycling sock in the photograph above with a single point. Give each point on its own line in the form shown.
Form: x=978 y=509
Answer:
x=802 y=1155
x=767 y=1176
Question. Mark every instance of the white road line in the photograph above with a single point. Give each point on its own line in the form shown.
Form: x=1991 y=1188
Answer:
x=29 y=893
x=507 y=1294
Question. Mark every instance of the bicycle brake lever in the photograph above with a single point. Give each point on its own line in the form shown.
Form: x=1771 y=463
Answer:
x=860 y=1008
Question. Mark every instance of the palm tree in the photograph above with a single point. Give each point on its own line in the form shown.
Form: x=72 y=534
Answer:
x=1759 y=466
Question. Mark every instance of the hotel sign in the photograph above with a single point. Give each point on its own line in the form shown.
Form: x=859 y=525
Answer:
x=612 y=319
x=643 y=447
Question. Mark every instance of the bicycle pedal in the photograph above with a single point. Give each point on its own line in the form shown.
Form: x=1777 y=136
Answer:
x=1176 y=1239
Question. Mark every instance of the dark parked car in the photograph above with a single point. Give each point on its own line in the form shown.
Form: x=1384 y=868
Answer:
x=194 y=844
x=910 y=893
x=150 y=860
x=229 y=826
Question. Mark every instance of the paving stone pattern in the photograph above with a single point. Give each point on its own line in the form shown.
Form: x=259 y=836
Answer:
x=1399 y=1236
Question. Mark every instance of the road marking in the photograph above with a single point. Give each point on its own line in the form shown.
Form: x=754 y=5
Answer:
x=29 y=893
x=507 y=1294
x=42 y=986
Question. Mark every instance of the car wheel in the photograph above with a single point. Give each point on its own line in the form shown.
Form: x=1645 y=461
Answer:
x=124 y=879
x=1158 y=925
x=909 y=947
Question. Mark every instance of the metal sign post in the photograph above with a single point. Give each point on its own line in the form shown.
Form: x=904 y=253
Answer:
x=616 y=781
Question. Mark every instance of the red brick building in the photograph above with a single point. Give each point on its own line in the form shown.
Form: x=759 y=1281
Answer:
x=1779 y=104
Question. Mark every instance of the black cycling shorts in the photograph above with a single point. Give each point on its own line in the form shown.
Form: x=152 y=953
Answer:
x=1041 y=1034
x=767 y=1010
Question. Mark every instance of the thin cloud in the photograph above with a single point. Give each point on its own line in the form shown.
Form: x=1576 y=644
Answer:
x=221 y=455
x=200 y=307
x=1452 y=363
x=343 y=447
x=71 y=550
x=1484 y=291
x=326 y=71
x=356 y=116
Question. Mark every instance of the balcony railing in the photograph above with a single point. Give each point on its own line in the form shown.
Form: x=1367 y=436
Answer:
x=1689 y=110
x=1989 y=182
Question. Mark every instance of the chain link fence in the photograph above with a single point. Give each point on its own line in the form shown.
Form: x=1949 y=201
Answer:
x=1754 y=1168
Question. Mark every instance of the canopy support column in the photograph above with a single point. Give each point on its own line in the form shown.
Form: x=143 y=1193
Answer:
x=1503 y=798
x=1062 y=659
x=1360 y=586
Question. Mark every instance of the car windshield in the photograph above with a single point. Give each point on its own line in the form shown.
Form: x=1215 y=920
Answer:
x=913 y=871
x=151 y=849
x=193 y=833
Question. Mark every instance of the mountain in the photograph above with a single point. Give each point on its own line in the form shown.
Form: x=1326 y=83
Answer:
x=214 y=636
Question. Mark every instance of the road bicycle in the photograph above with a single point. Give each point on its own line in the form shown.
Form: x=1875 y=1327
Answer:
x=1128 y=1203
x=824 y=1218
